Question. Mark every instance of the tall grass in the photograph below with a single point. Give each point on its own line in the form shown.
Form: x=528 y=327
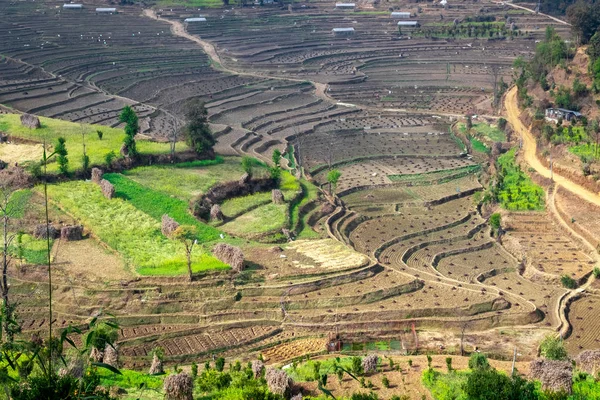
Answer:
x=96 y=148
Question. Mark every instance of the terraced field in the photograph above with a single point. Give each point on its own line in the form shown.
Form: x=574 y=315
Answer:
x=404 y=247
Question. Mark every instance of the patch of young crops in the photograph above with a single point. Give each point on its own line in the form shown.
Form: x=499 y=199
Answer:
x=515 y=190
x=133 y=233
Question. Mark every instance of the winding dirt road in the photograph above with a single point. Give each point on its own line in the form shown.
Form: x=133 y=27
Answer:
x=530 y=148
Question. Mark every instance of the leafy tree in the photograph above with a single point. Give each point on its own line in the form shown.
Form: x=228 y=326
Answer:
x=553 y=348
x=276 y=157
x=478 y=361
x=449 y=364
x=489 y=384
x=502 y=123
x=132 y=127
x=61 y=155
x=579 y=88
x=333 y=177
x=109 y=157
x=584 y=19
x=197 y=132
x=495 y=221
x=220 y=364
x=187 y=235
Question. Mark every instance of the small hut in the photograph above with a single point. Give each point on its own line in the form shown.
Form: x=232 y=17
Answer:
x=343 y=31
x=400 y=15
x=106 y=10
x=72 y=6
x=408 y=24
x=345 y=6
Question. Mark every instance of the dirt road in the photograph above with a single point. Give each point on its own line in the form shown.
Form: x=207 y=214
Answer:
x=530 y=147
x=560 y=21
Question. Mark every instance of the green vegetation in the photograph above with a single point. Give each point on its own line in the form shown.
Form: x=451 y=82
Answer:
x=553 y=348
x=96 y=148
x=239 y=205
x=515 y=190
x=133 y=233
x=568 y=282
x=197 y=132
x=132 y=127
x=263 y=219
x=156 y=204
x=478 y=145
x=438 y=176
x=492 y=133
x=192 y=179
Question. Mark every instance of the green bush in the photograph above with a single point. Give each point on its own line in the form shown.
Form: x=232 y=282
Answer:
x=568 y=282
x=220 y=364
x=478 y=361
x=597 y=273
x=515 y=190
x=553 y=348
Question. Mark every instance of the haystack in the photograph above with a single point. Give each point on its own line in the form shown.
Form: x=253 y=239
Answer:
x=111 y=355
x=30 y=121
x=554 y=375
x=230 y=255
x=288 y=234
x=124 y=151
x=168 y=225
x=157 y=366
x=279 y=382
x=108 y=190
x=97 y=175
x=96 y=355
x=277 y=196
x=257 y=368
x=179 y=387
x=71 y=232
x=40 y=231
x=589 y=361
x=215 y=213
x=369 y=363
x=74 y=368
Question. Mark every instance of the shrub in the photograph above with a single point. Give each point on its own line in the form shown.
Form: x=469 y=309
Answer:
x=495 y=220
x=109 y=157
x=449 y=363
x=502 y=123
x=197 y=131
x=357 y=368
x=194 y=370
x=429 y=360
x=385 y=382
x=61 y=155
x=220 y=364
x=364 y=396
x=597 y=273
x=568 y=282
x=410 y=362
x=211 y=380
x=553 y=348
x=100 y=134
x=478 y=361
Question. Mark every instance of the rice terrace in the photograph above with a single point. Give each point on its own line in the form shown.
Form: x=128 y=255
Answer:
x=220 y=199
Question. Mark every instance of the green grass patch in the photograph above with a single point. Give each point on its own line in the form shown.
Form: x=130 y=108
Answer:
x=439 y=176
x=156 y=204
x=478 y=145
x=133 y=233
x=585 y=151
x=515 y=190
x=260 y=220
x=192 y=179
x=489 y=132
x=30 y=250
x=239 y=205
x=304 y=372
x=303 y=230
x=96 y=149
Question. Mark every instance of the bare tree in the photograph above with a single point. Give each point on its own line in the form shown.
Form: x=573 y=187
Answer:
x=464 y=325
x=11 y=180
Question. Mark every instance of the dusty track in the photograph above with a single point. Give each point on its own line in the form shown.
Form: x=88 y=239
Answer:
x=560 y=21
x=530 y=148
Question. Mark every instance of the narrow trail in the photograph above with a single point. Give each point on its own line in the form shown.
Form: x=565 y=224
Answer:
x=560 y=21
x=530 y=148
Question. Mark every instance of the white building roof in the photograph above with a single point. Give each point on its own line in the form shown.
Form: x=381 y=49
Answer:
x=72 y=5
x=408 y=23
x=342 y=30
x=106 y=10
x=197 y=19
x=400 y=14
x=345 y=5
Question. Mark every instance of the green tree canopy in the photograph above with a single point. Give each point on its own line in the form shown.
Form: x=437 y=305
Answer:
x=197 y=132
